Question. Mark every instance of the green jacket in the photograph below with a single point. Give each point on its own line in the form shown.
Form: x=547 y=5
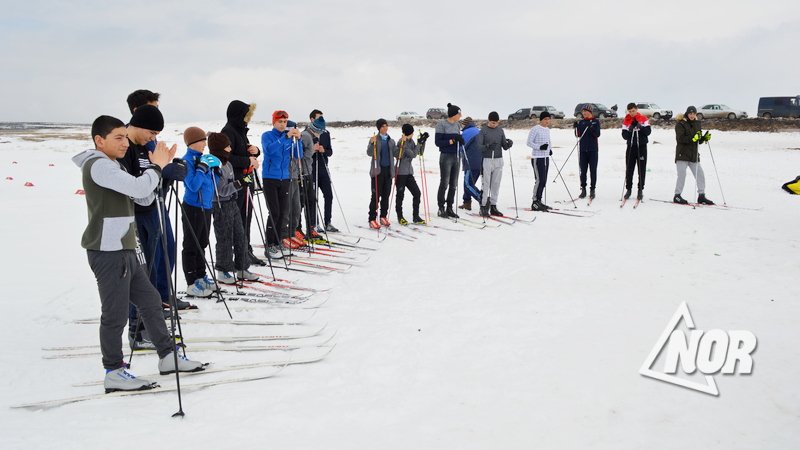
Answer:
x=686 y=150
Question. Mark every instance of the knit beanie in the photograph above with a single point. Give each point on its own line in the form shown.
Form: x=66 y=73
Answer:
x=193 y=135
x=452 y=110
x=217 y=142
x=466 y=122
x=494 y=117
x=691 y=109
x=408 y=129
x=380 y=122
x=148 y=117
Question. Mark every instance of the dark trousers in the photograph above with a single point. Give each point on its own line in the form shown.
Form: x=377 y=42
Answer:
x=149 y=232
x=540 y=167
x=383 y=183
x=196 y=224
x=588 y=161
x=229 y=233
x=121 y=281
x=635 y=156
x=308 y=202
x=245 y=203
x=323 y=183
x=403 y=182
x=448 y=181
x=276 y=192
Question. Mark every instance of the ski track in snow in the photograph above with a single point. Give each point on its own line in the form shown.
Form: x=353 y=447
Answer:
x=511 y=337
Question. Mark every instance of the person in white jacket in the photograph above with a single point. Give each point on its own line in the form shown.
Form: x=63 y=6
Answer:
x=541 y=149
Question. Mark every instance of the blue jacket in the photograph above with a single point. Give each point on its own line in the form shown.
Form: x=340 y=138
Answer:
x=589 y=139
x=199 y=186
x=277 y=150
x=472 y=149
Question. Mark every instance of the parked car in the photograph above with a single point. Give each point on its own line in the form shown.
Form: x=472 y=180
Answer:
x=769 y=107
x=436 y=113
x=409 y=115
x=718 y=111
x=520 y=114
x=598 y=110
x=554 y=113
x=652 y=110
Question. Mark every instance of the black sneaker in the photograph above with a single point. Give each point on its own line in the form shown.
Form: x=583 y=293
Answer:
x=539 y=206
x=494 y=211
x=679 y=200
x=331 y=229
x=583 y=193
x=418 y=220
x=255 y=260
x=182 y=305
x=701 y=199
x=639 y=195
x=441 y=212
x=627 y=194
x=591 y=193
x=450 y=213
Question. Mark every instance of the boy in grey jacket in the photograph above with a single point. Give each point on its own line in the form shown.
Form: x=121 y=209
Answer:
x=492 y=141
x=115 y=256
x=405 y=153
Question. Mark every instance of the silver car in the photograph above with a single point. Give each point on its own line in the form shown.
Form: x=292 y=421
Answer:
x=652 y=110
x=719 y=111
x=409 y=115
x=556 y=114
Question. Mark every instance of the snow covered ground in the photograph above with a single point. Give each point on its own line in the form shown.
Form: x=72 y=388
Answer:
x=515 y=337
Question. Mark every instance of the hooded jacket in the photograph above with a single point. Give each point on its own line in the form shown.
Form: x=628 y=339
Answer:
x=686 y=149
x=375 y=156
x=198 y=186
x=239 y=114
x=492 y=142
x=278 y=155
x=109 y=191
x=405 y=151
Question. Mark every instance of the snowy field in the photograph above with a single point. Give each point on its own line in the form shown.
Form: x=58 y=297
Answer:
x=514 y=337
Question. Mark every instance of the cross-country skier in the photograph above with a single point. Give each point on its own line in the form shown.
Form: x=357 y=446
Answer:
x=635 y=129
x=491 y=142
x=541 y=149
x=688 y=134
x=448 y=139
x=588 y=130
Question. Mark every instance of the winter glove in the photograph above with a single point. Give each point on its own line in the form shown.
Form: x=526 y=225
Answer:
x=208 y=162
x=551 y=153
x=575 y=124
x=543 y=147
x=423 y=137
x=459 y=139
x=634 y=124
x=176 y=170
x=248 y=179
x=696 y=137
x=706 y=137
x=509 y=143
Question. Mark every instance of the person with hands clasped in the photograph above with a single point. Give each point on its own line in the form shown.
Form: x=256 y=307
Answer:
x=491 y=142
x=449 y=140
x=635 y=129
x=541 y=149
x=405 y=153
x=277 y=144
x=688 y=135
x=197 y=209
x=587 y=130
x=380 y=149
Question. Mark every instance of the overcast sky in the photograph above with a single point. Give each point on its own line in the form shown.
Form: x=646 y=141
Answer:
x=72 y=61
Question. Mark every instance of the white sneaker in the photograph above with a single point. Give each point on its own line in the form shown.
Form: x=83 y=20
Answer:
x=166 y=365
x=198 y=289
x=209 y=283
x=122 y=380
x=274 y=252
x=225 y=277
x=246 y=275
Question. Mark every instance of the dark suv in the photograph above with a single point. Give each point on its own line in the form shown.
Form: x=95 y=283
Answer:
x=598 y=110
x=520 y=114
x=436 y=113
x=769 y=107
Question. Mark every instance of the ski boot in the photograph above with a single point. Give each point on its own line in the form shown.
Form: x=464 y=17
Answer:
x=627 y=194
x=679 y=200
x=701 y=199
x=494 y=211
x=583 y=193
x=640 y=195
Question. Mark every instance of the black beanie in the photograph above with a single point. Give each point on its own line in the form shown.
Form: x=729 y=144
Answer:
x=380 y=122
x=452 y=110
x=691 y=109
x=544 y=115
x=408 y=129
x=148 y=117
x=494 y=117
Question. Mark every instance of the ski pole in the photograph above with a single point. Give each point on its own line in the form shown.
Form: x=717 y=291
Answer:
x=570 y=153
x=333 y=187
x=377 y=173
x=725 y=203
x=513 y=184
x=562 y=180
x=394 y=179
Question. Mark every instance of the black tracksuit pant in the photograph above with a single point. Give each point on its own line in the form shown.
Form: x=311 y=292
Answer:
x=383 y=183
